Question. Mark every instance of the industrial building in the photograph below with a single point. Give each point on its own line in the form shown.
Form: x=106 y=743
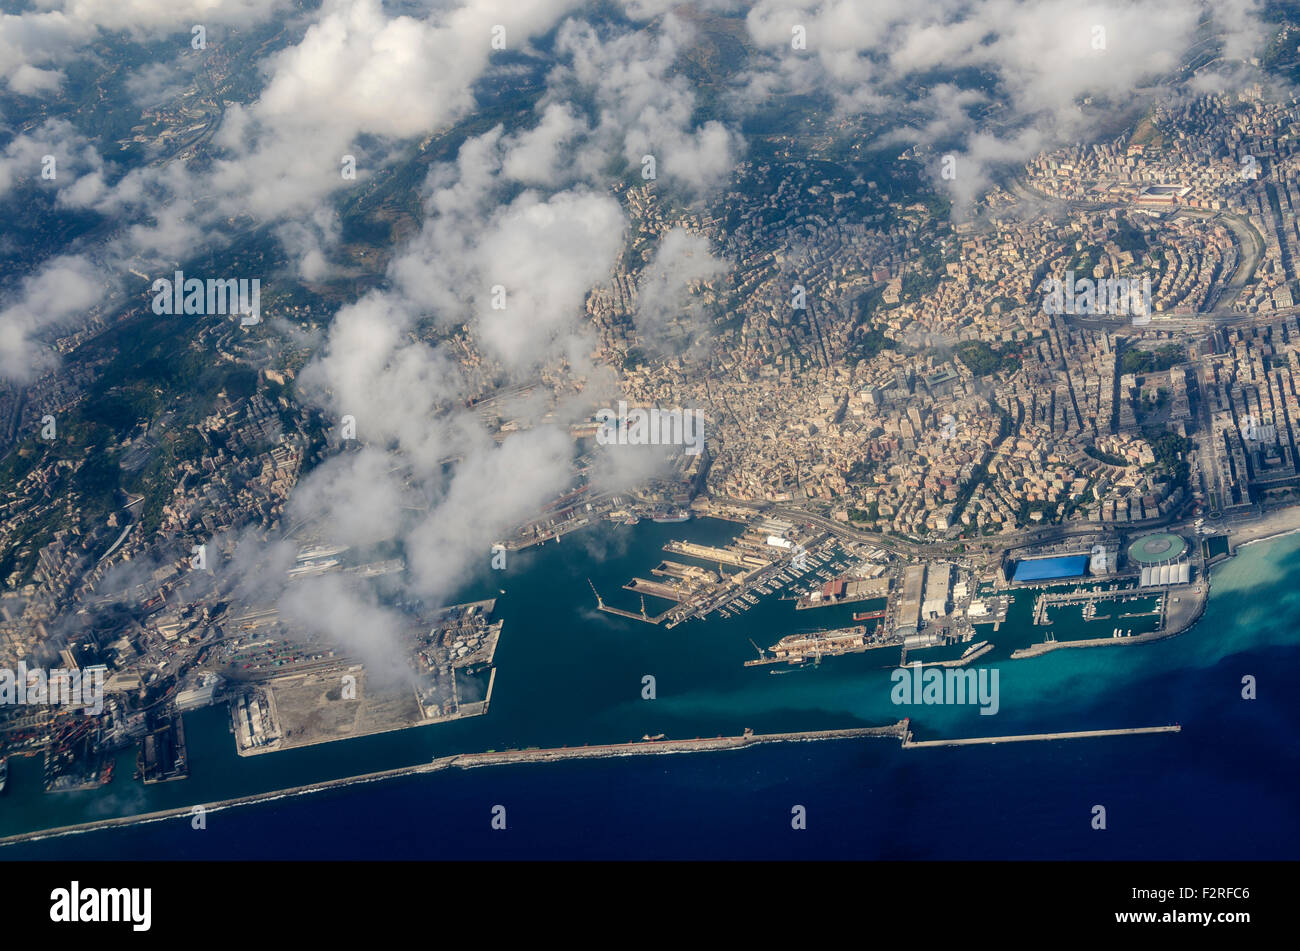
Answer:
x=201 y=694
x=937 y=581
x=908 y=620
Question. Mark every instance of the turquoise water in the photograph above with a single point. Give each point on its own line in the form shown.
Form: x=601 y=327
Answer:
x=569 y=675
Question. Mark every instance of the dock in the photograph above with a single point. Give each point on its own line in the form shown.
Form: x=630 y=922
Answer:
x=631 y=615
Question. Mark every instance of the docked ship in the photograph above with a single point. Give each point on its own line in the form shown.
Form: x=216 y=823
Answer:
x=798 y=648
x=4 y=772
x=664 y=518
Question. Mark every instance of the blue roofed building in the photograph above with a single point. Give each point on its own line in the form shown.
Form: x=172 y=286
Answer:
x=1050 y=569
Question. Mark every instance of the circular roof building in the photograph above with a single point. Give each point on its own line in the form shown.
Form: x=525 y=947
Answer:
x=1157 y=548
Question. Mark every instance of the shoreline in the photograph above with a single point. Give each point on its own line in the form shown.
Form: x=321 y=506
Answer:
x=1284 y=533
x=1268 y=526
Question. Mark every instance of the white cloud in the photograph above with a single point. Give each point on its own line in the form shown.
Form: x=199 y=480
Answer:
x=668 y=318
x=1042 y=57
x=63 y=288
x=644 y=108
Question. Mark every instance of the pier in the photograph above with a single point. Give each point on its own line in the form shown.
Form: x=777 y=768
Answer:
x=1090 y=600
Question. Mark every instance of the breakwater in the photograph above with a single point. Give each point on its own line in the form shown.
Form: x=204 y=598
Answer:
x=909 y=743
x=469 y=760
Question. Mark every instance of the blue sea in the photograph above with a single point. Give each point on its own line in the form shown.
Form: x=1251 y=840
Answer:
x=1223 y=788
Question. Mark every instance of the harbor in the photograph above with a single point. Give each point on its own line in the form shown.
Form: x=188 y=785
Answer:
x=769 y=558
x=705 y=686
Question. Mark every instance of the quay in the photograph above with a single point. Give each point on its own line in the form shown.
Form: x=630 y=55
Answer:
x=721 y=555
x=909 y=743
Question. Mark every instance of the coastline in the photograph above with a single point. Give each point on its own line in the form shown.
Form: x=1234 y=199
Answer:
x=1268 y=527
